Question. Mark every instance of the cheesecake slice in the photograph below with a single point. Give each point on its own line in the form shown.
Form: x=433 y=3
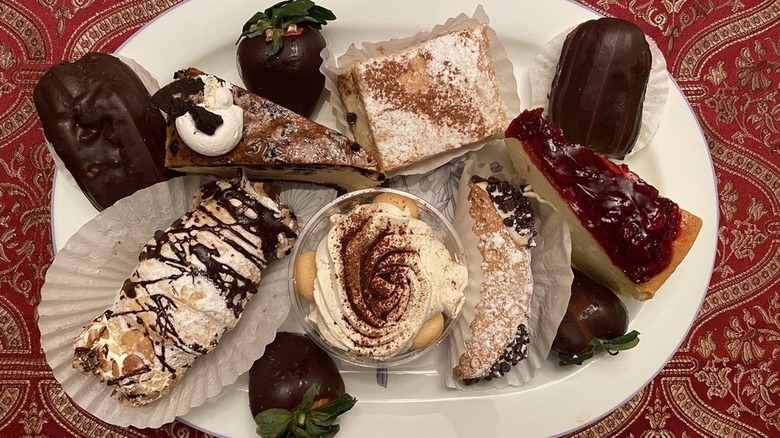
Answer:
x=625 y=235
x=272 y=142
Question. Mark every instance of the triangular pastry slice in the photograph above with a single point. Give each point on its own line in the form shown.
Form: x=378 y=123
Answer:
x=625 y=235
x=271 y=142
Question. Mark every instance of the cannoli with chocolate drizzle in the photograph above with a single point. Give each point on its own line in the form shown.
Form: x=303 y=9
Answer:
x=190 y=287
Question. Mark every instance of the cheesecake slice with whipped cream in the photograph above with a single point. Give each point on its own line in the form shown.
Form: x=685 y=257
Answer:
x=217 y=127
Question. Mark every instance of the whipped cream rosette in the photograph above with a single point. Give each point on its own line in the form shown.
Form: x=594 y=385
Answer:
x=380 y=275
x=377 y=277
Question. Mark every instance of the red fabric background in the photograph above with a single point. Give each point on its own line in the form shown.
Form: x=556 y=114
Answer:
x=724 y=54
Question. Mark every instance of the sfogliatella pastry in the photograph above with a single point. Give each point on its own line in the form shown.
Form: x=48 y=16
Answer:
x=504 y=226
x=190 y=287
x=425 y=100
x=625 y=235
x=97 y=115
x=217 y=127
x=599 y=86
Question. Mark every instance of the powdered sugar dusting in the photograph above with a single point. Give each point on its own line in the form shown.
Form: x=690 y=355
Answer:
x=506 y=289
x=430 y=98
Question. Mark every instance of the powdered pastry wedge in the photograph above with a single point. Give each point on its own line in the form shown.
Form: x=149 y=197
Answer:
x=428 y=99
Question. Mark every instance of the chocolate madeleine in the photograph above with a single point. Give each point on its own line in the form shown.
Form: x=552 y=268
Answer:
x=97 y=115
x=599 y=85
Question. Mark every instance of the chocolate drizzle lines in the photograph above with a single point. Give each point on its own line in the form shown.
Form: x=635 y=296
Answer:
x=183 y=248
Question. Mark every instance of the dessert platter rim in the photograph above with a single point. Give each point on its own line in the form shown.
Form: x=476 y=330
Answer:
x=419 y=418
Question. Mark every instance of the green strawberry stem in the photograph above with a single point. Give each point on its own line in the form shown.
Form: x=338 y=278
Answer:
x=303 y=421
x=611 y=346
x=275 y=21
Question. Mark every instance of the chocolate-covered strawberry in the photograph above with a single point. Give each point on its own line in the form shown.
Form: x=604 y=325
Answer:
x=296 y=390
x=595 y=320
x=278 y=54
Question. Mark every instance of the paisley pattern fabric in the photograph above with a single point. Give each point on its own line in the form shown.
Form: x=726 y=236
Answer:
x=724 y=55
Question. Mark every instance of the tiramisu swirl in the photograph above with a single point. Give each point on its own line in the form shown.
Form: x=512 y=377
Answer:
x=380 y=275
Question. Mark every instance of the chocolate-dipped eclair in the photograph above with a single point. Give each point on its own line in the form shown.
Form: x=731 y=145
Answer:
x=599 y=85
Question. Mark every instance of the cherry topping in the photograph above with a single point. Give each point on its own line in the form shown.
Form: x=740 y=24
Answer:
x=635 y=225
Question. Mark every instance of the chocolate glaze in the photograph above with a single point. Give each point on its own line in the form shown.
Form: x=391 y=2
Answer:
x=292 y=78
x=181 y=239
x=97 y=115
x=599 y=85
x=289 y=366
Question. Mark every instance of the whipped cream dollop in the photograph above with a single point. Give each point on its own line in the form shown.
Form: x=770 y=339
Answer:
x=380 y=275
x=217 y=99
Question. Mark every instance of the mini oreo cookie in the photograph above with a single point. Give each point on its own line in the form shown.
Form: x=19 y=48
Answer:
x=180 y=96
x=205 y=121
x=184 y=96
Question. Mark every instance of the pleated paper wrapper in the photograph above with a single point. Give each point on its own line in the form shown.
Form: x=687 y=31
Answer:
x=85 y=279
x=551 y=271
x=332 y=67
x=542 y=73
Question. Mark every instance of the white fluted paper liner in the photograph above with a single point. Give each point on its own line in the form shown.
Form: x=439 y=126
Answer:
x=84 y=281
x=151 y=85
x=552 y=276
x=507 y=84
x=542 y=74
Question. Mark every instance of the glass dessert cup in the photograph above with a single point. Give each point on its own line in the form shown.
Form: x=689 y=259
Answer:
x=317 y=228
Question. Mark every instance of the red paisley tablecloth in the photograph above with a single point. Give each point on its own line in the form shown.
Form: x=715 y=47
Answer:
x=724 y=54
